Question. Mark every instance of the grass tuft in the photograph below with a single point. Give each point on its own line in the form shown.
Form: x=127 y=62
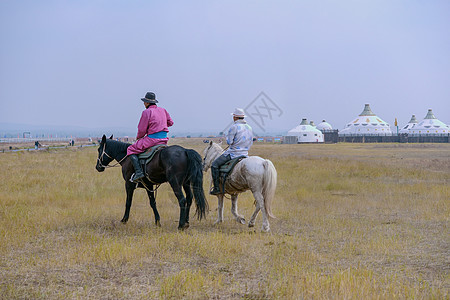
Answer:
x=353 y=221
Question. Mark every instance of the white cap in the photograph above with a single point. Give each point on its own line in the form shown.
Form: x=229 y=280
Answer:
x=238 y=112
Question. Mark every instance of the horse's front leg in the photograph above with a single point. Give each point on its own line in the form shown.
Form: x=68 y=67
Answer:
x=152 y=199
x=189 y=196
x=219 y=209
x=234 y=210
x=129 y=187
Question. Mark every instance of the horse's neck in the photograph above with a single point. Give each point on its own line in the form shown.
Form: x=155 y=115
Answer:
x=118 y=149
x=217 y=151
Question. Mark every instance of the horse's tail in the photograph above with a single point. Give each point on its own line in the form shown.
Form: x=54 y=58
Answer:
x=195 y=175
x=269 y=185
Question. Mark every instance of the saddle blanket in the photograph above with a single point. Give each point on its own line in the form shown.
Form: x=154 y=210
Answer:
x=147 y=156
x=229 y=165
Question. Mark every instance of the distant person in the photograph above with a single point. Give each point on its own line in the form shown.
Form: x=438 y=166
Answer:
x=239 y=139
x=72 y=142
x=36 y=145
x=152 y=131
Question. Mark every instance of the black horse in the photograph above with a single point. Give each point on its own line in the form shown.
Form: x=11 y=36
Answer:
x=180 y=167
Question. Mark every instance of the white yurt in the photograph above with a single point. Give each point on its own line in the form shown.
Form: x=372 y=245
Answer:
x=324 y=125
x=367 y=123
x=411 y=124
x=306 y=133
x=430 y=125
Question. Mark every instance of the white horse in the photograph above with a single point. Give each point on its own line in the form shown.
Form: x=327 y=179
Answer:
x=252 y=173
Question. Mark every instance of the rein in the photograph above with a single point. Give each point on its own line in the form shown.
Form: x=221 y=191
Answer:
x=99 y=159
x=150 y=190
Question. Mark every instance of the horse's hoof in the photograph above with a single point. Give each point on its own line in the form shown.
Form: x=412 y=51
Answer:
x=242 y=221
x=124 y=221
x=158 y=223
x=183 y=227
x=250 y=225
x=217 y=222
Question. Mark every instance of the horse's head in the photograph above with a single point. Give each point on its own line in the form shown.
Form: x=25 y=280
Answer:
x=103 y=158
x=211 y=152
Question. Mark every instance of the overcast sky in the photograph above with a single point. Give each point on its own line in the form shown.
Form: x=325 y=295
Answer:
x=88 y=63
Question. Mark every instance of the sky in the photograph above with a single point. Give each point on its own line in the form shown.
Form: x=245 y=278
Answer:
x=88 y=63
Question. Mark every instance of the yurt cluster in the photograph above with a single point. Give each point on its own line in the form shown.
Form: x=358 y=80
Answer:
x=367 y=126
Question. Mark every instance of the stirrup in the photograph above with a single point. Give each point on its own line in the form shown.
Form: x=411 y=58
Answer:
x=132 y=179
x=215 y=191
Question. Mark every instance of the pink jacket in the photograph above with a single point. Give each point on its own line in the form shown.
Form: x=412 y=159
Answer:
x=153 y=119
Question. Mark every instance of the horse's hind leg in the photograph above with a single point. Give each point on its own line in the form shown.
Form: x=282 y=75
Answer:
x=152 y=199
x=234 y=211
x=260 y=202
x=189 y=196
x=129 y=187
x=176 y=187
x=251 y=223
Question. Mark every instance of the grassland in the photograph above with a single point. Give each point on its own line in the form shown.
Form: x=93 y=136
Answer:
x=353 y=221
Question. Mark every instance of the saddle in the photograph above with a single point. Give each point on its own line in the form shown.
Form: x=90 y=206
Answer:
x=226 y=169
x=147 y=156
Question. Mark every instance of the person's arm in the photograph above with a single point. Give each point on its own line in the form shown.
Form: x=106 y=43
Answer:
x=143 y=125
x=169 y=119
x=231 y=134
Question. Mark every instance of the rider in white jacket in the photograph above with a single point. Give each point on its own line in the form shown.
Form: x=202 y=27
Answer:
x=239 y=139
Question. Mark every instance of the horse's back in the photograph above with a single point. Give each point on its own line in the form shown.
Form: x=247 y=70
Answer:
x=172 y=154
x=176 y=157
x=253 y=165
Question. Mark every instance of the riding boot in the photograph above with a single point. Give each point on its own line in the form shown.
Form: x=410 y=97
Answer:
x=138 y=173
x=216 y=181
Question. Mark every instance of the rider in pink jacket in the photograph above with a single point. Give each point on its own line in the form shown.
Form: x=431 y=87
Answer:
x=152 y=131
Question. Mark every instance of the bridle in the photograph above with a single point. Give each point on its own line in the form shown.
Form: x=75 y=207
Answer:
x=100 y=158
x=206 y=154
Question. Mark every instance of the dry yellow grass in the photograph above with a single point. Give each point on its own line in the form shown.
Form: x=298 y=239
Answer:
x=353 y=221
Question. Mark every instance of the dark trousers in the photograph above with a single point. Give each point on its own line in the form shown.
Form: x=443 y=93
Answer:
x=216 y=165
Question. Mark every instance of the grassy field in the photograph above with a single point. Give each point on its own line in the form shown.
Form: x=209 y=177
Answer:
x=353 y=221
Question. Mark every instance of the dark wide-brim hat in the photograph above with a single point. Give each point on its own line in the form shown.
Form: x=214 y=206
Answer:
x=150 y=98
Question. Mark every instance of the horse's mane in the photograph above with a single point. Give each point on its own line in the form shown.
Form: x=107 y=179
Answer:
x=214 y=146
x=217 y=146
x=117 y=146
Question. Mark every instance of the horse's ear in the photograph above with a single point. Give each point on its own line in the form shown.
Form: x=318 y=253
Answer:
x=111 y=137
x=210 y=143
x=104 y=139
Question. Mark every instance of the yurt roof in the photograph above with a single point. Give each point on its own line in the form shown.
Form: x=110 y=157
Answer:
x=430 y=115
x=303 y=127
x=411 y=124
x=324 y=125
x=367 y=123
x=429 y=125
x=367 y=111
x=413 y=119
